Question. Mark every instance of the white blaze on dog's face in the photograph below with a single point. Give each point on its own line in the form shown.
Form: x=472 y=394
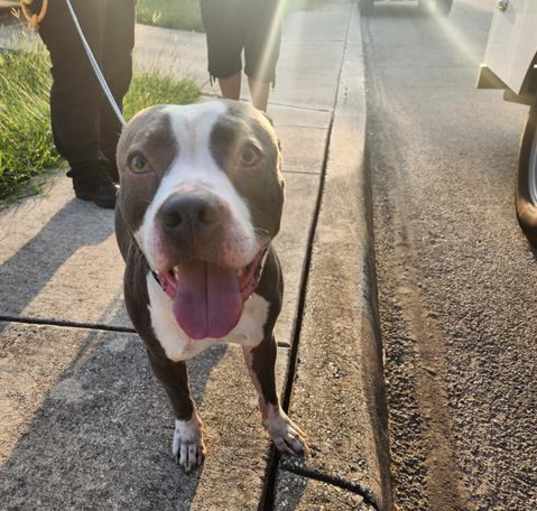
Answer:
x=202 y=193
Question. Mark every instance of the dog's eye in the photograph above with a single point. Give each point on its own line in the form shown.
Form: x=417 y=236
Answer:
x=137 y=163
x=250 y=155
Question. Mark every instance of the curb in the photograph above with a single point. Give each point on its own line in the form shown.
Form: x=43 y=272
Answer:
x=371 y=333
x=346 y=224
x=348 y=181
x=338 y=392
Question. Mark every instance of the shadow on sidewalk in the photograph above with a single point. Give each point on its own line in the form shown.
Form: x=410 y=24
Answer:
x=26 y=273
x=101 y=438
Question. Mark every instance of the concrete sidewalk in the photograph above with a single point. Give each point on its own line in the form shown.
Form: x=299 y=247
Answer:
x=84 y=425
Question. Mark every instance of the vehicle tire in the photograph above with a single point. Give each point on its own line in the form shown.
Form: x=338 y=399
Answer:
x=367 y=7
x=526 y=188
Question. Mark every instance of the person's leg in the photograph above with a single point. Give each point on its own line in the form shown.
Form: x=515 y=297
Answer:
x=231 y=86
x=118 y=42
x=74 y=98
x=259 y=91
x=222 y=22
x=262 y=47
x=74 y=93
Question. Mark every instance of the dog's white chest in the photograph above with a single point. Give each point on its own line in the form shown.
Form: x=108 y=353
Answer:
x=178 y=346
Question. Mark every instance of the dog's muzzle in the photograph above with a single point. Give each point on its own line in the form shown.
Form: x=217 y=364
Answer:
x=207 y=294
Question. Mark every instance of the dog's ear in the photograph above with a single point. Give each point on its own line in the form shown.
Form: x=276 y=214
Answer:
x=269 y=119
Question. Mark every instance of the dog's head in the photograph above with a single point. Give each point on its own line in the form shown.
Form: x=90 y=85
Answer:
x=202 y=193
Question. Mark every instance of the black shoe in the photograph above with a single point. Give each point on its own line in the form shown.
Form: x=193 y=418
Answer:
x=96 y=187
x=110 y=168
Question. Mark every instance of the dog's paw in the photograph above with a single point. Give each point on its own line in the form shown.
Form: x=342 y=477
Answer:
x=285 y=434
x=188 y=447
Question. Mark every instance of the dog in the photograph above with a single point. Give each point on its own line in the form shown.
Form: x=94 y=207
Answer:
x=200 y=201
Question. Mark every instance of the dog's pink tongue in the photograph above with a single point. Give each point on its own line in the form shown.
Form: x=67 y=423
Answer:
x=207 y=300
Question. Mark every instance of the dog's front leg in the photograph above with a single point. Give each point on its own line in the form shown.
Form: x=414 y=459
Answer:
x=261 y=362
x=188 y=446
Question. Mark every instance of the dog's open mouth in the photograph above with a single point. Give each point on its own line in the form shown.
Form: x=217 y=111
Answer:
x=208 y=299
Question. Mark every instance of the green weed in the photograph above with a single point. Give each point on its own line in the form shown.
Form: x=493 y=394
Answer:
x=152 y=88
x=26 y=144
x=178 y=14
x=185 y=14
x=25 y=134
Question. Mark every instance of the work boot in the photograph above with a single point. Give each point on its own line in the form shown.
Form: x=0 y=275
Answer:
x=96 y=187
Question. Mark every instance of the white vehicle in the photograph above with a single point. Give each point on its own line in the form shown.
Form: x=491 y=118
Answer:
x=441 y=6
x=510 y=64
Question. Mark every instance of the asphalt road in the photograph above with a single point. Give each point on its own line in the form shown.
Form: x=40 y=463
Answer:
x=457 y=279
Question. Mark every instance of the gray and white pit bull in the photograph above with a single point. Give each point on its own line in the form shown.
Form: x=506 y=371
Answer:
x=200 y=201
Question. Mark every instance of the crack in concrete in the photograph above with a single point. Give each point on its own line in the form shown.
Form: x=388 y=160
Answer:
x=268 y=497
x=68 y=324
x=83 y=326
x=284 y=105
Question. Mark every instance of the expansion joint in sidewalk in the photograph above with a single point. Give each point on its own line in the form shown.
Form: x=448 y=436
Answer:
x=100 y=327
x=268 y=496
x=303 y=108
x=68 y=324
x=267 y=499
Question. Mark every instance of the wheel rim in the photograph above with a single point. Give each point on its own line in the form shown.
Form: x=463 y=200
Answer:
x=532 y=170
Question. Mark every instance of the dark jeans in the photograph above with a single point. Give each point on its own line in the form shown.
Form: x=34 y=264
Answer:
x=84 y=126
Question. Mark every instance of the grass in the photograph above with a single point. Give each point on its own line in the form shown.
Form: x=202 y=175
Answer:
x=178 y=14
x=151 y=88
x=185 y=14
x=27 y=148
x=25 y=132
x=297 y=5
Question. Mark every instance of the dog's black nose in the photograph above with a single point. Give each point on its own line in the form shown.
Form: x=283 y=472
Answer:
x=188 y=215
